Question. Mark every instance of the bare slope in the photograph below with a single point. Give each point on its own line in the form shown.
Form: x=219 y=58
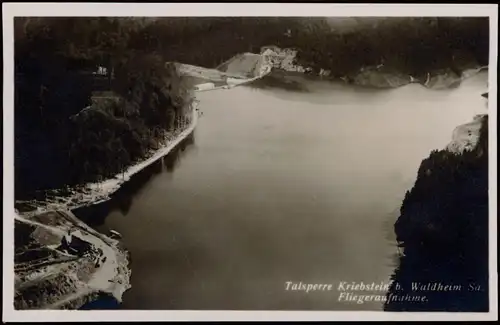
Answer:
x=56 y=270
x=245 y=65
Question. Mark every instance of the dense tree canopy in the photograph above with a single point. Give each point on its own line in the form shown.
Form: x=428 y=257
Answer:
x=443 y=227
x=65 y=132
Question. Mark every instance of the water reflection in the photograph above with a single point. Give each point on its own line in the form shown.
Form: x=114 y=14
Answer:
x=104 y=301
x=123 y=198
x=284 y=186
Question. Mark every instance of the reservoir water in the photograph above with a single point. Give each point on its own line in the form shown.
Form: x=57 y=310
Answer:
x=280 y=186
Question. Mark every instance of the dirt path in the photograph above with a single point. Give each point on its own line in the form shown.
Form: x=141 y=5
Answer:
x=103 y=279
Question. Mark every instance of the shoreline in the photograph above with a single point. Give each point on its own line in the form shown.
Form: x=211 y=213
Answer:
x=282 y=59
x=111 y=277
x=98 y=192
x=397 y=82
x=95 y=193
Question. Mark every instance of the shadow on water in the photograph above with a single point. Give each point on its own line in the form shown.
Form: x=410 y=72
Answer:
x=436 y=279
x=300 y=87
x=122 y=199
x=104 y=301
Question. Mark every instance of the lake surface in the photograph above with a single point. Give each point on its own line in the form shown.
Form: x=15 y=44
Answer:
x=278 y=185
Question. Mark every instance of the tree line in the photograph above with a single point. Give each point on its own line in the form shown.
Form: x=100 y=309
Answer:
x=66 y=136
x=60 y=142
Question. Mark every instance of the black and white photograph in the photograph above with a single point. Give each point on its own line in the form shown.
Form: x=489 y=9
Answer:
x=187 y=159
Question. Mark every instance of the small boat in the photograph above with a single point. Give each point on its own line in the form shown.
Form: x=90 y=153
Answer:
x=426 y=83
x=115 y=234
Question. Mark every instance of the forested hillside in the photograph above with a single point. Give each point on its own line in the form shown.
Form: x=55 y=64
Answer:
x=443 y=228
x=60 y=141
x=411 y=45
x=73 y=126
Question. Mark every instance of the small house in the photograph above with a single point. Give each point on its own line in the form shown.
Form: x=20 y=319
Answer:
x=115 y=234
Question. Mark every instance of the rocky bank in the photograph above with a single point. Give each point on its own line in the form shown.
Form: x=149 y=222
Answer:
x=443 y=229
x=373 y=76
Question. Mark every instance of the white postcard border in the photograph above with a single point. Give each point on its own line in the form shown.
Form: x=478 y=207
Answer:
x=11 y=10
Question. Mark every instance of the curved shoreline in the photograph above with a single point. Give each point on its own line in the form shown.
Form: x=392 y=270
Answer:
x=99 y=192
x=399 y=81
x=113 y=275
x=282 y=59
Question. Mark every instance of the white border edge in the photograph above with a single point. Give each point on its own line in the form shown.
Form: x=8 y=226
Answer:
x=10 y=10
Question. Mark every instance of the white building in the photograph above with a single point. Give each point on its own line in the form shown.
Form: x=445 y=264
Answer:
x=205 y=86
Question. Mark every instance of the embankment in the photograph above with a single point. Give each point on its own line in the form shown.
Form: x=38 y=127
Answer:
x=379 y=76
x=92 y=193
x=102 y=273
x=239 y=70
